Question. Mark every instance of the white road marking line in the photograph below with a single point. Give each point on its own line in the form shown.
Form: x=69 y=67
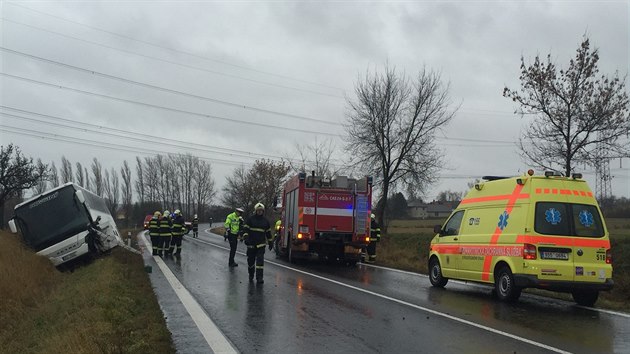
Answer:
x=211 y=333
x=476 y=285
x=437 y=313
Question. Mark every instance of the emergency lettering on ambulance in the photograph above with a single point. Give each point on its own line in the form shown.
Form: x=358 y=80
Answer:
x=543 y=232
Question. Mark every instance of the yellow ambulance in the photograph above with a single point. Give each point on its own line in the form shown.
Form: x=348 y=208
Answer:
x=531 y=231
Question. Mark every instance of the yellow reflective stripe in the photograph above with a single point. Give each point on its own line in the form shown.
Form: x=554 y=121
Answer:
x=260 y=267
x=261 y=245
x=257 y=229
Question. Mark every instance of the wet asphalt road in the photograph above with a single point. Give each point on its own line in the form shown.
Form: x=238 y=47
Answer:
x=314 y=307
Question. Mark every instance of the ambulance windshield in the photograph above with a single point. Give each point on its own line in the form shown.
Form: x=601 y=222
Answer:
x=568 y=219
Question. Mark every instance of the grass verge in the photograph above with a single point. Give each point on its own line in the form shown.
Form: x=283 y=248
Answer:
x=105 y=306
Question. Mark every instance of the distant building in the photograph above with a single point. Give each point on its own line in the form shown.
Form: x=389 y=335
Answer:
x=431 y=210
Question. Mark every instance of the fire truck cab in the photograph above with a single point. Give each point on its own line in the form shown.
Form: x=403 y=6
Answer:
x=325 y=219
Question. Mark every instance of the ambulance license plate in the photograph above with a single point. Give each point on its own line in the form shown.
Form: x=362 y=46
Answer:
x=554 y=255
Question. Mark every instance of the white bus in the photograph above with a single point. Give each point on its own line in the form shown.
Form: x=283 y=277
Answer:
x=65 y=223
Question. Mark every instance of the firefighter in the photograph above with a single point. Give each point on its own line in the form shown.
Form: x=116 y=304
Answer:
x=276 y=236
x=195 y=226
x=165 y=233
x=179 y=228
x=375 y=236
x=154 y=231
x=233 y=224
x=257 y=235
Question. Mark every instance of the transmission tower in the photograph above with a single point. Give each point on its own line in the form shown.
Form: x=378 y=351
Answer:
x=603 y=179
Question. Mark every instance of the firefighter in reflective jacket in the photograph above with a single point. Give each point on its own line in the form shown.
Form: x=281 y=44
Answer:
x=257 y=235
x=179 y=228
x=232 y=225
x=276 y=236
x=154 y=231
x=375 y=236
x=164 y=243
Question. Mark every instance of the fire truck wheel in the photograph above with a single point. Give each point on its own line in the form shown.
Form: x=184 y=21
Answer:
x=435 y=273
x=290 y=253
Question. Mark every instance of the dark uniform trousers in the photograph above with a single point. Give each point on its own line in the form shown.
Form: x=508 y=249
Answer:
x=233 y=239
x=255 y=260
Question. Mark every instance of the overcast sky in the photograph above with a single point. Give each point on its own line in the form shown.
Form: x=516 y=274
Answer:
x=222 y=74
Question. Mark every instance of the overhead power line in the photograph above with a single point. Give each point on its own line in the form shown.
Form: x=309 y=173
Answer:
x=173 y=62
x=153 y=44
x=151 y=139
x=163 y=89
x=176 y=110
x=109 y=146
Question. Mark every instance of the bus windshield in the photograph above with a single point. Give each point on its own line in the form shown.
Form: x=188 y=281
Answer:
x=51 y=218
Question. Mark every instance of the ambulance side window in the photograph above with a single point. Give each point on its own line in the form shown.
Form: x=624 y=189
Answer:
x=452 y=226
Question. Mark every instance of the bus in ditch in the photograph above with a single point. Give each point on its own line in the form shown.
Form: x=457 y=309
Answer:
x=66 y=223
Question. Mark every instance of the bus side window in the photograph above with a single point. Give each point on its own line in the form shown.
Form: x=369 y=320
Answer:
x=452 y=226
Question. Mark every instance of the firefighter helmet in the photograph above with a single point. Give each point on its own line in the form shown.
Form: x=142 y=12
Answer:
x=166 y=213
x=178 y=212
x=372 y=216
x=259 y=206
x=157 y=213
x=195 y=216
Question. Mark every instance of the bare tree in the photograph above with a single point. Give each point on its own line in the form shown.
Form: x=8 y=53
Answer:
x=111 y=187
x=576 y=111
x=203 y=186
x=17 y=173
x=54 y=175
x=318 y=157
x=391 y=129
x=97 y=177
x=237 y=191
x=79 y=176
x=66 y=170
x=125 y=173
x=87 y=179
x=139 y=184
x=42 y=171
x=262 y=183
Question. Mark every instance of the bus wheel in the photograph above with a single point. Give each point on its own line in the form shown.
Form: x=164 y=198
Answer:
x=504 y=285
x=585 y=297
x=435 y=273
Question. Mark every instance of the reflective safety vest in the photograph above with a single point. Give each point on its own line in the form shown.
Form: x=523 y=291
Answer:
x=165 y=227
x=375 y=231
x=154 y=226
x=178 y=226
x=278 y=225
x=233 y=223
x=257 y=231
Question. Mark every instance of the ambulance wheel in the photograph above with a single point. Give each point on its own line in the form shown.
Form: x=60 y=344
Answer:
x=505 y=288
x=435 y=273
x=585 y=297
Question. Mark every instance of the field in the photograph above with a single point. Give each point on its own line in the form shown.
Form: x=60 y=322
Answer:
x=105 y=306
x=406 y=246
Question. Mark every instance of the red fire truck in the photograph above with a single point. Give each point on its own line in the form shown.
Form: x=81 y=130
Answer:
x=325 y=219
